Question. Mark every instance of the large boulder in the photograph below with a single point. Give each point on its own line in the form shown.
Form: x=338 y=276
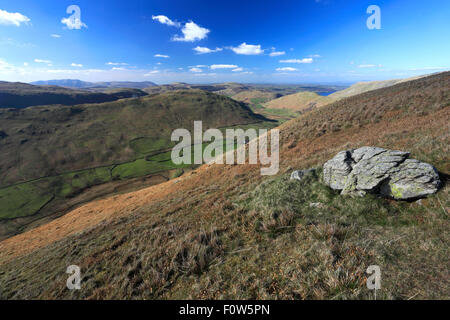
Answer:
x=377 y=170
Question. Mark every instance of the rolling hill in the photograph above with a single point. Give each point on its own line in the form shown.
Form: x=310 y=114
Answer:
x=69 y=83
x=255 y=96
x=365 y=86
x=226 y=89
x=51 y=154
x=301 y=101
x=233 y=89
x=171 y=87
x=22 y=95
x=226 y=232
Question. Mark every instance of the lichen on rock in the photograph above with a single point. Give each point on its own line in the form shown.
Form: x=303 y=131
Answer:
x=377 y=170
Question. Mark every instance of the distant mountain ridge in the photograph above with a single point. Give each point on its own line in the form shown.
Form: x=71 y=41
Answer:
x=22 y=95
x=302 y=101
x=75 y=83
x=231 y=89
x=365 y=86
x=71 y=83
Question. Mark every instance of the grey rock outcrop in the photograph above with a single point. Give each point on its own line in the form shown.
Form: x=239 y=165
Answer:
x=376 y=170
x=300 y=174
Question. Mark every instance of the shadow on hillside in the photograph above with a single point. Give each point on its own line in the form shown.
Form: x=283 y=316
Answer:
x=444 y=179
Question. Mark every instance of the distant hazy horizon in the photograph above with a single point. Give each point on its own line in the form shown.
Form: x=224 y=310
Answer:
x=299 y=83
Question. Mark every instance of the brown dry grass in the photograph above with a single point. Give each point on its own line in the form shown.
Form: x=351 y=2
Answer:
x=83 y=218
x=204 y=236
x=301 y=101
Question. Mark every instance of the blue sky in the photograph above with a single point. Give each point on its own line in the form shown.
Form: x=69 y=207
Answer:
x=301 y=41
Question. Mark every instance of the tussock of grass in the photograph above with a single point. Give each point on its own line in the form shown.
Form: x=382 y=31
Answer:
x=281 y=202
x=195 y=255
x=171 y=250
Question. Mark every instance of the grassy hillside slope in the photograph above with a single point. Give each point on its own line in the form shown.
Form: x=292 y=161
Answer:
x=51 y=154
x=256 y=99
x=22 y=95
x=304 y=101
x=301 y=101
x=255 y=96
x=365 y=86
x=227 y=232
x=48 y=140
x=280 y=103
x=226 y=89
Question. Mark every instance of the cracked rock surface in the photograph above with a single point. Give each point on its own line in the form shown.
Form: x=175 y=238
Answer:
x=377 y=170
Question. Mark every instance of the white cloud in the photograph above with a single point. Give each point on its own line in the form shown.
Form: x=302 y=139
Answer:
x=25 y=64
x=73 y=22
x=117 y=63
x=151 y=73
x=194 y=69
x=42 y=61
x=54 y=35
x=5 y=66
x=78 y=65
x=287 y=69
x=192 y=32
x=277 y=53
x=118 y=68
x=164 y=20
x=237 y=69
x=15 y=19
x=248 y=49
x=15 y=43
x=369 y=66
x=86 y=71
x=315 y=56
x=203 y=50
x=161 y=56
x=305 y=60
x=223 y=66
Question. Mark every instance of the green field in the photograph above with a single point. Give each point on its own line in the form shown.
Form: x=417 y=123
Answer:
x=22 y=200
x=145 y=145
x=26 y=199
x=281 y=115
